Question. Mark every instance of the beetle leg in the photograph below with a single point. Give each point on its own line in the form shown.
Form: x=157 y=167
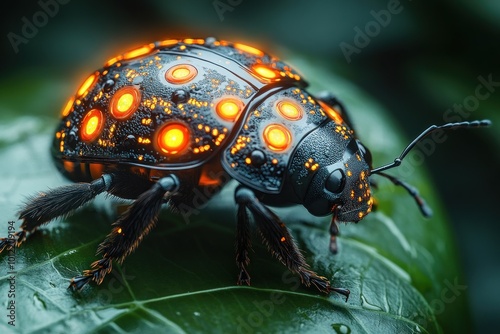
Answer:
x=128 y=231
x=334 y=232
x=281 y=244
x=243 y=244
x=54 y=203
x=422 y=205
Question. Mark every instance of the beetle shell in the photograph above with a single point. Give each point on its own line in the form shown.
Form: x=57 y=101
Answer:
x=177 y=104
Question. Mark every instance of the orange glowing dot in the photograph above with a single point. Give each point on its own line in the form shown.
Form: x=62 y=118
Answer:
x=181 y=73
x=277 y=137
x=119 y=230
x=194 y=41
x=249 y=49
x=289 y=110
x=125 y=102
x=264 y=71
x=282 y=239
x=168 y=42
x=92 y=125
x=68 y=106
x=229 y=108
x=173 y=138
x=143 y=50
x=87 y=84
x=332 y=113
x=113 y=61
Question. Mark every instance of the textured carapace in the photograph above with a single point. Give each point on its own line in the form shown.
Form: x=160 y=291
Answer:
x=176 y=104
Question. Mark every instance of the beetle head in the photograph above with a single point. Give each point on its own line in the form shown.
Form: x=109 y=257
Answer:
x=331 y=176
x=342 y=188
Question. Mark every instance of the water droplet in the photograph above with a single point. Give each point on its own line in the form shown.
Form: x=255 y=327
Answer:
x=197 y=314
x=258 y=158
x=341 y=328
x=138 y=80
x=108 y=85
x=129 y=141
x=209 y=41
x=180 y=96
x=369 y=306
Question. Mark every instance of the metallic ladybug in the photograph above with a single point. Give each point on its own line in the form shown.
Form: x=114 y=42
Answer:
x=159 y=122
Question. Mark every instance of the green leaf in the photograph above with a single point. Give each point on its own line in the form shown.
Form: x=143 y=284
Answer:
x=398 y=266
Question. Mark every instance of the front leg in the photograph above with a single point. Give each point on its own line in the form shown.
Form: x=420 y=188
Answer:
x=128 y=231
x=280 y=243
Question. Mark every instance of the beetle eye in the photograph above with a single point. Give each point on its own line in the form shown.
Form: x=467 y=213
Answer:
x=335 y=182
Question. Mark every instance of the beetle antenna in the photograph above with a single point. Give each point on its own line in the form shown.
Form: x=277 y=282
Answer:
x=422 y=205
x=429 y=130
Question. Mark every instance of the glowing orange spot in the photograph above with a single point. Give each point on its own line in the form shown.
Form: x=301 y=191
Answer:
x=67 y=107
x=332 y=113
x=168 y=42
x=248 y=49
x=173 y=138
x=87 y=84
x=92 y=125
x=143 y=50
x=277 y=137
x=229 y=108
x=282 y=239
x=125 y=102
x=181 y=73
x=96 y=170
x=289 y=110
x=206 y=180
x=264 y=71
x=194 y=41
x=119 y=230
x=69 y=166
x=113 y=61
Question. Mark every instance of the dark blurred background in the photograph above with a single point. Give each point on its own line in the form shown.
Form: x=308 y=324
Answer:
x=418 y=60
